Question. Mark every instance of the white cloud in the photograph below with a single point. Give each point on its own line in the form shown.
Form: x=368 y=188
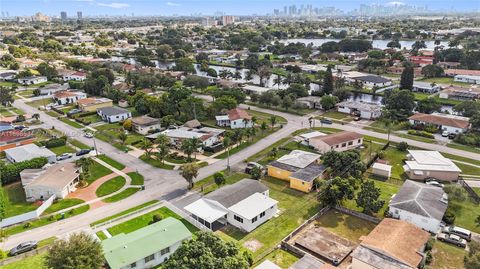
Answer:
x=114 y=5
x=172 y=4
x=395 y=3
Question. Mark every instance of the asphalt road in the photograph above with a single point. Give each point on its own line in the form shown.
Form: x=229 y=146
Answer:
x=167 y=184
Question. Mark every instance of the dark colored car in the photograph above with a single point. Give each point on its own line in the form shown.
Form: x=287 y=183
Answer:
x=251 y=165
x=74 y=111
x=19 y=127
x=83 y=152
x=23 y=247
x=452 y=135
x=326 y=121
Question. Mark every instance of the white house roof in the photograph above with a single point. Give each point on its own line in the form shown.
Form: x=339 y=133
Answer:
x=312 y=134
x=256 y=89
x=28 y=152
x=222 y=117
x=431 y=161
x=382 y=167
x=299 y=158
x=206 y=210
x=267 y=265
x=178 y=133
x=253 y=205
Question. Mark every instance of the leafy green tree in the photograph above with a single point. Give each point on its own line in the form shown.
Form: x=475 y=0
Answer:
x=428 y=105
x=394 y=44
x=189 y=171
x=346 y=163
x=399 y=104
x=467 y=108
x=219 y=178
x=256 y=172
x=432 y=71
x=207 y=251
x=147 y=146
x=328 y=81
x=164 y=51
x=273 y=120
x=406 y=79
x=368 y=198
x=185 y=65
x=297 y=90
x=6 y=97
x=456 y=193
x=334 y=191
x=287 y=102
x=3 y=203
x=328 y=102
x=123 y=137
x=46 y=70
x=80 y=250
x=472 y=259
x=163 y=147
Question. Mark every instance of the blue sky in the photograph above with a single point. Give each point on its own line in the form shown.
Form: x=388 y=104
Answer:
x=187 y=7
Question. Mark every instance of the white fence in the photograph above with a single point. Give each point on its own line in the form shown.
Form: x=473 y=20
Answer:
x=29 y=215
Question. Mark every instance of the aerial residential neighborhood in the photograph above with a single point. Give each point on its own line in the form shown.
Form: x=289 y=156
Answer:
x=239 y=135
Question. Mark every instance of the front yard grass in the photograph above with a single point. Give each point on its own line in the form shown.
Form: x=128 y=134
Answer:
x=78 y=144
x=138 y=207
x=295 y=208
x=208 y=184
x=468 y=169
x=346 y=226
x=446 y=256
x=137 y=178
x=464 y=147
x=97 y=171
x=336 y=115
x=72 y=123
x=122 y=195
x=144 y=220
x=110 y=186
x=62 y=149
x=155 y=163
x=465 y=214
x=40 y=102
x=109 y=133
x=35 y=261
x=260 y=135
x=16 y=203
x=111 y=162
x=62 y=204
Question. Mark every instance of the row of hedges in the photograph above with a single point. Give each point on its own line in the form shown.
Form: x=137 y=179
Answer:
x=53 y=142
x=11 y=172
x=421 y=133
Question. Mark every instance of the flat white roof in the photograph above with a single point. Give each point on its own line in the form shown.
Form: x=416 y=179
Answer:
x=206 y=210
x=382 y=166
x=253 y=205
x=299 y=158
x=312 y=134
x=267 y=265
x=257 y=89
x=222 y=117
x=430 y=160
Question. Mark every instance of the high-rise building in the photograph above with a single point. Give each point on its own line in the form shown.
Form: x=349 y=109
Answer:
x=63 y=15
x=40 y=17
x=79 y=15
x=227 y=20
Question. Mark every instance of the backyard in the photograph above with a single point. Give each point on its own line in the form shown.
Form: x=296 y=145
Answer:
x=446 y=256
x=16 y=200
x=344 y=225
x=109 y=133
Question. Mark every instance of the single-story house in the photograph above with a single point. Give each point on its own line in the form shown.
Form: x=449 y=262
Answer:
x=113 y=114
x=145 y=124
x=423 y=164
x=341 y=141
x=267 y=264
x=305 y=138
x=255 y=89
x=28 y=152
x=300 y=168
x=371 y=81
x=382 y=170
x=461 y=93
x=51 y=89
x=208 y=136
x=10 y=139
x=363 y=110
x=32 y=80
x=392 y=244
x=425 y=87
x=74 y=75
x=92 y=104
x=444 y=122
x=245 y=204
x=421 y=60
x=420 y=204
x=8 y=76
x=57 y=179
x=146 y=247
x=467 y=79
x=235 y=118
x=312 y=102
x=466 y=72
x=68 y=97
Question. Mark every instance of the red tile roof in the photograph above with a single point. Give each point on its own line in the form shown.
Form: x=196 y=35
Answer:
x=237 y=113
x=14 y=135
x=441 y=120
x=452 y=72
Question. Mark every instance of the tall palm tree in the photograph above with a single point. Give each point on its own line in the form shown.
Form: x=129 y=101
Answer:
x=189 y=171
x=147 y=146
x=273 y=120
x=277 y=81
x=163 y=143
x=288 y=78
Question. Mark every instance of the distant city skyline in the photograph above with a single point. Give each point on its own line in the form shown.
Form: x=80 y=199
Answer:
x=206 y=7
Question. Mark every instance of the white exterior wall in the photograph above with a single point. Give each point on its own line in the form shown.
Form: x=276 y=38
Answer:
x=145 y=129
x=240 y=123
x=116 y=118
x=466 y=79
x=71 y=100
x=32 y=81
x=429 y=224
x=344 y=109
x=247 y=224
x=158 y=258
x=453 y=129
x=322 y=147
x=73 y=77
x=36 y=192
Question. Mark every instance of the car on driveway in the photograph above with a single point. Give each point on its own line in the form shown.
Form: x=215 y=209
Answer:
x=433 y=182
x=23 y=247
x=74 y=111
x=251 y=165
x=452 y=135
x=88 y=135
x=452 y=239
x=64 y=156
x=445 y=133
x=463 y=233
x=83 y=152
x=326 y=121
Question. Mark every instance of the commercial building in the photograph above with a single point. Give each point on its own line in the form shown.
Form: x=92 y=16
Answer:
x=341 y=141
x=423 y=164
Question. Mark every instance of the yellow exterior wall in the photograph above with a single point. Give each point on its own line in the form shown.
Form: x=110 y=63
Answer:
x=301 y=185
x=279 y=173
x=90 y=108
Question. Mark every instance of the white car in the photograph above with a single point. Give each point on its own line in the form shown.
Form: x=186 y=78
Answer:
x=64 y=156
x=435 y=183
x=88 y=135
x=445 y=133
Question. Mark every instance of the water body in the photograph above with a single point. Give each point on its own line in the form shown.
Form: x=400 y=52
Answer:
x=379 y=44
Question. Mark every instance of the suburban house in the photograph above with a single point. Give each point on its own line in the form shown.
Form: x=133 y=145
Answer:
x=92 y=104
x=245 y=204
x=341 y=141
x=363 y=110
x=467 y=79
x=32 y=80
x=208 y=136
x=299 y=168
x=371 y=81
x=145 y=124
x=312 y=102
x=235 y=118
x=444 y=122
x=392 y=244
x=53 y=88
x=420 y=204
x=421 y=60
x=423 y=164
x=8 y=76
x=58 y=180
x=68 y=97
x=425 y=87
x=113 y=114
x=74 y=75
x=461 y=93
x=14 y=138
x=28 y=152
x=466 y=72
x=146 y=247
x=305 y=137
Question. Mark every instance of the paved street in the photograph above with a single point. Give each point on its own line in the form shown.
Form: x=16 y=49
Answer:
x=167 y=184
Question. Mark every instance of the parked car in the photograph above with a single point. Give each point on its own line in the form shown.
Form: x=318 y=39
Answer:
x=251 y=165
x=326 y=121
x=23 y=247
x=445 y=133
x=74 y=111
x=64 y=156
x=434 y=183
x=88 y=135
x=356 y=118
x=83 y=152
x=452 y=135
x=452 y=239
x=463 y=233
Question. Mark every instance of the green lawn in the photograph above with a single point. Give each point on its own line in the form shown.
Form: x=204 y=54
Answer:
x=78 y=144
x=260 y=135
x=346 y=226
x=208 y=184
x=62 y=204
x=466 y=213
x=137 y=178
x=101 y=235
x=395 y=159
x=266 y=150
x=416 y=138
x=446 y=256
x=144 y=220
x=53 y=113
x=281 y=258
x=109 y=133
x=110 y=186
x=16 y=203
x=62 y=149
x=295 y=207
x=97 y=171
x=443 y=80
x=124 y=212
x=8 y=84
x=72 y=123
x=464 y=147
x=122 y=195
x=36 y=261
x=468 y=169
x=265 y=117
x=111 y=162
x=40 y=103
x=336 y=115
x=155 y=163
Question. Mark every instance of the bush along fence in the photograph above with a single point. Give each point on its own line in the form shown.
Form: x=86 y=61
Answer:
x=470 y=191
x=29 y=215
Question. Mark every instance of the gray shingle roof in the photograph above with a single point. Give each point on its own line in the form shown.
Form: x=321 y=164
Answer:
x=110 y=111
x=310 y=172
x=420 y=199
x=232 y=194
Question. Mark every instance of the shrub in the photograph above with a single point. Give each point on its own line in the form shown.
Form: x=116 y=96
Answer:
x=56 y=142
x=127 y=124
x=156 y=218
x=421 y=133
x=381 y=154
x=429 y=244
x=27 y=225
x=11 y=172
x=402 y=146
x=428 y=258
x=449 y=217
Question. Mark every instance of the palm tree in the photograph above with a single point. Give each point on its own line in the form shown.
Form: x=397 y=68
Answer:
x=84 y=164
x=277 y=81
x=226 y=143
x=288 y=79
x=147 y=146
x=264 y=72
x=224 y=73
x=123 y=137
x=189 y=171
x=190 y=146
x=237 y=74
x=273 y=120
x=36 y=116
x=163 y=149
x=249 y=74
